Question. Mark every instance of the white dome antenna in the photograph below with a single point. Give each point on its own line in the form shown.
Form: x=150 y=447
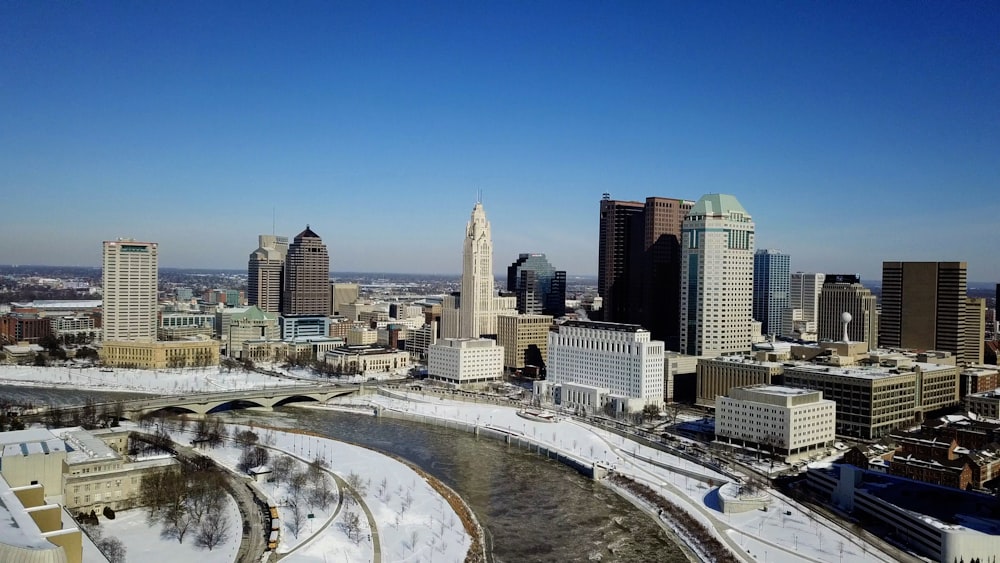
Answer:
x=845 y=319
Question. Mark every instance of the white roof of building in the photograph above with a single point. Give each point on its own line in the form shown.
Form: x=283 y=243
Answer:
x=29 y=442
x=83 y=447
x=18 y=529
x=781 y=390
x=60 y=304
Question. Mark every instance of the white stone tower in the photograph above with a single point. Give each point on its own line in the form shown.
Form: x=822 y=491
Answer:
x=478 y=306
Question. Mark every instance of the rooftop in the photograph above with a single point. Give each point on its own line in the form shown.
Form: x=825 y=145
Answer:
x=599 y=325
x=717 y=204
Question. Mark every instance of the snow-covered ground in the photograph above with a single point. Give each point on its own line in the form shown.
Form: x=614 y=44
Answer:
x=785 y=532
x=412 y=521
x=143 y=542
x=167 y=381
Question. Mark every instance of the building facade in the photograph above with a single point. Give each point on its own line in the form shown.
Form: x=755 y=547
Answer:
x=465 y=361
x=525 y=340
x=716 y=376
x=253 y=323
x=716 y=277
x=923 y=306
x=639 y=265
x=799 y=319
x=539 y=287
x=619 y=357
x=266 y=273
x=840 y=294
x=793 y=422
x=307 y=276
x=342 y=294
x=771 y=287
x=197 y=352
x=130 y=276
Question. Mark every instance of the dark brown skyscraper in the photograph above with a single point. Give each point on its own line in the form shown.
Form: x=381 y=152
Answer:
x=923 y=306
x=639 y=264
x=307 y=276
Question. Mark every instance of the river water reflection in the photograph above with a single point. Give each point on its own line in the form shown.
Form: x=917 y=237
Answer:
x=533 y=509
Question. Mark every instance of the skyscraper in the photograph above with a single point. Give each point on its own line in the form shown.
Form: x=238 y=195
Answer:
x=539 y=287
x=307 y=276
x=799 y=319
x=477 y=311
x=130 y=274
x=716 y=277
x=770 y=289
x=923 y=306
x=843 y=293
x=265 y=273
x=639 y=263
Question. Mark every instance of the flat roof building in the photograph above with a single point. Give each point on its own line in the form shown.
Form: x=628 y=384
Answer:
x=790 y=421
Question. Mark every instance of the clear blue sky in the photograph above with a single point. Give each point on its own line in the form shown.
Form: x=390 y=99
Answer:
x=853 y=132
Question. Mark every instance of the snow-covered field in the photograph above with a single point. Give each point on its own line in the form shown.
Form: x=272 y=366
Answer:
x=144 y=544
x=167 y=381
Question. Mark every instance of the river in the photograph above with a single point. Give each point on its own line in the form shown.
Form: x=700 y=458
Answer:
x=533 y=509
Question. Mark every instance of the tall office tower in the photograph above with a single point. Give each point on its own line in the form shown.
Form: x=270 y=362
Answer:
x=975 y=331
x=923 y=306
x=131 y=271
x=307 y=276
x=265 y=273
x=803 y=303
x=717 y=277
x=539 y=287
x=771 y=285
x=844 y=293
x=618 y=259
x=342 y=294
x=477 y=308
x=639 y=263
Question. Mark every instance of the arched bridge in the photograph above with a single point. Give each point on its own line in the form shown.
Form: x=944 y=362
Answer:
x=206 y=403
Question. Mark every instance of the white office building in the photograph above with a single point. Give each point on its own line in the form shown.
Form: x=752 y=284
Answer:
x=130 y=271
x=790 y=421
x=618 y=357
x=717 y=266
x=463 y=361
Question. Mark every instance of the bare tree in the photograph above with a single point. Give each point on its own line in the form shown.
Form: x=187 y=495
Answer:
x=281 y=468
x=413 y=540
x=113 y=549
x=253 y=456
x=214 y=530
x=352 y=525
x=246 y=438
x=295 y=516
x=177 y=521
x=321 y=494
x=357 y=483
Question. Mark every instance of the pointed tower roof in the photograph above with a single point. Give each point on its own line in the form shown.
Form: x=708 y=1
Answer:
x=308 y=233
x=717 y=204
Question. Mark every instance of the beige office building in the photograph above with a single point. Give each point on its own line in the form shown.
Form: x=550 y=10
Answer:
x=873 y=401
x=854 y=298
x=265 y=273
x=196 y=352
x=130 y=276
x=974 y=341
x=518 y=333
x=716 y=376
x=252 y=324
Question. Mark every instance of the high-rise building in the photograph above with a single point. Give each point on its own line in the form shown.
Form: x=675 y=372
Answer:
x=131 y=274
x=639 y=263
x=771 y=283
x=307 y=276
x=975 y=332
x=343 y=294
x=265 y=273
x=923 y=306
x=477 y=313
x=841 y=294
x=799 y=319
x=539 y=287
x=717 y=277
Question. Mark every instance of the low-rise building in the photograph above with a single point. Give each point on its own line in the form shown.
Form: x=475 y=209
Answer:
x=788 y=421
x=31 y=529
x=366 y=359
x=175 y=326
x=525 y=339
x=985 y=404
x=195 y=352
x=252 y=324
x=465 y=361
x=716 y=376
x=418 y=340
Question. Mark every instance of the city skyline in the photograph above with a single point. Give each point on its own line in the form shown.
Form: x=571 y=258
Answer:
x=846 y=130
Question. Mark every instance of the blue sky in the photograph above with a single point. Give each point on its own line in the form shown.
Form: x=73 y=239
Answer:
x=852 y=132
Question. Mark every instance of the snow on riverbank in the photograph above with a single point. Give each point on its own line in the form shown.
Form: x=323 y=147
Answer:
x=166 y=381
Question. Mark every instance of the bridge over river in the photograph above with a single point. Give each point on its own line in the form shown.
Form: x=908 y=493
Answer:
x=207 y=403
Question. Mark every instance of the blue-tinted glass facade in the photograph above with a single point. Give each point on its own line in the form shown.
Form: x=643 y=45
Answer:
x=540 y=288
x=771 y=286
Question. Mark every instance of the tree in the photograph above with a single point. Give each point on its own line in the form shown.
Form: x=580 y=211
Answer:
x=251 y=457
x=113 y=549
x=352 y=525
x=246 y=438
x=355 y=482
x=214 y=530
x=321 y=493
x=295 y=515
